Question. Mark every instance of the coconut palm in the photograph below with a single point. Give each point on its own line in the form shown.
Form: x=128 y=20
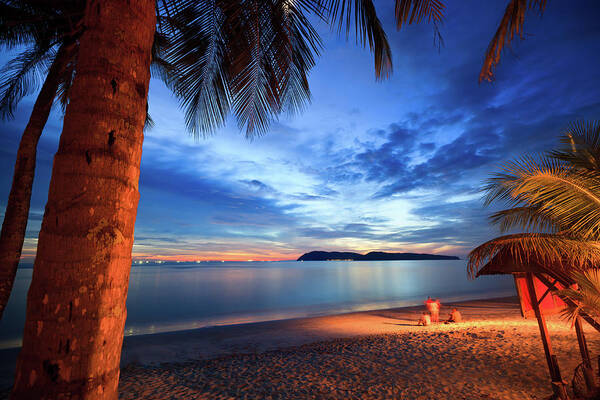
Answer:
x=52 y=37
x=186 y=55
x=76 y=301
x=555 y=199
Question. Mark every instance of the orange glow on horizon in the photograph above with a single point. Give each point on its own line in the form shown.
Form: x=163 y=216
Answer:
x=262 y=252
x=221 y=256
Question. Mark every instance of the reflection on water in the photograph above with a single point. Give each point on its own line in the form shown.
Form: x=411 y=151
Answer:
x=171 y=297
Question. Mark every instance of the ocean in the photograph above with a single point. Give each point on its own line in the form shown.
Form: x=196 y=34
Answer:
x=170 y=297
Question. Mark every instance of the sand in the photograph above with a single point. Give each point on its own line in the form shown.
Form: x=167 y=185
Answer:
x=494 y=354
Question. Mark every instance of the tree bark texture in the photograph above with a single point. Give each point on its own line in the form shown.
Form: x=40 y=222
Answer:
x=76 y=303
x=17 y=208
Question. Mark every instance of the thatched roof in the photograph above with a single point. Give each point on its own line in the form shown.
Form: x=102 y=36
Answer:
x=527 y=252
x=503 y=264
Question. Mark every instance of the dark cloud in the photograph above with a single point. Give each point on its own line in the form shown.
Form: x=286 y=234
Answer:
x=258 y=186
x=324 y=190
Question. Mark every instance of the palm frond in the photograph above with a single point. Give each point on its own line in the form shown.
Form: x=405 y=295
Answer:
x=367 y=28
x=415 y=11
x=67 y=75
x=585 y=298
x=502 y=184
x=25 y=23
x=195 y=66
x=304 y=46
x=571 y=199
x=22 y=76
x=272 y=63
x=528 y=218
x=553 y=251
x=511 y=25
x=148 y=122
x=40 y=27
x=250 y=58
x=254 y=85
x=13 y=32
x=568 y=197
x=581 y=146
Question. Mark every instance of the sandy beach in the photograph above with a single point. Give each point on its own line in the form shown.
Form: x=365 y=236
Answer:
x=494 y=354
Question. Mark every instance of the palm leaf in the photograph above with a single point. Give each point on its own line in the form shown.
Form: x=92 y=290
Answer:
x=585 y=298
x=528 y=218
x=249 y=58
x=22 y=76
x=511 y=25
x=416 y=11
x=367 y=29
x=568 y=197
x=194 y=66
x=581 y=146
x=40 y=27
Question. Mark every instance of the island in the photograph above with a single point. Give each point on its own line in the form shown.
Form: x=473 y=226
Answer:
x=372 y=256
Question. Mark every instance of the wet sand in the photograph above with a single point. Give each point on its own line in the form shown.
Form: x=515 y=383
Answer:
x=494 y=354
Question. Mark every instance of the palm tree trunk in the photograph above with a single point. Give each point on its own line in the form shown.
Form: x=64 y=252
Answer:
x=17 y=209
x=76 y=302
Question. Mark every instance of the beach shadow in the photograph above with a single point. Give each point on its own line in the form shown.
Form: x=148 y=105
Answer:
x=390 y=323
x=397 y=315
x=503 y=305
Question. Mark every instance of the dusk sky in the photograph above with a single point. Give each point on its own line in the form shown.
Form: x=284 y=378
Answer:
x=387 y=166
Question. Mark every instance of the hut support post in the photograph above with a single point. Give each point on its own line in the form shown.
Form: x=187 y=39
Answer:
x=558 y=386
x=588 y=372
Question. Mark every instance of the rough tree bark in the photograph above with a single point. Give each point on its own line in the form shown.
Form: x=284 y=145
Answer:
x=76 y=302
x=17 y=208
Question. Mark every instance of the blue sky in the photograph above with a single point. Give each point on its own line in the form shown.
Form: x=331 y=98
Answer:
x=393 y=166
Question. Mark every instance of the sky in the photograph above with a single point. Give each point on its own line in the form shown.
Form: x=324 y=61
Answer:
x=395 y=166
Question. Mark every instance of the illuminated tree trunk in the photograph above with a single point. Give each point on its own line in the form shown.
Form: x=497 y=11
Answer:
x=76 y=302
x=17 y=208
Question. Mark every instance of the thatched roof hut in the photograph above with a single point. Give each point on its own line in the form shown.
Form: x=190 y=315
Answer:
x=535 y=282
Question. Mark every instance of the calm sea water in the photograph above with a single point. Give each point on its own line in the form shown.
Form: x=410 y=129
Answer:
x=172 y=297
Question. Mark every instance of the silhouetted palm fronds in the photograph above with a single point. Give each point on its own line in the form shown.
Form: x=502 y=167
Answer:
x=555 y=199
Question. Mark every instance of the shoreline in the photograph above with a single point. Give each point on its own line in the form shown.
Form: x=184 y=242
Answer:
x=493 y=344
x=218 y=340
x=260 y=317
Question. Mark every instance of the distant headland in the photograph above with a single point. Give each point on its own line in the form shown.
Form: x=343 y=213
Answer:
x=372 y=256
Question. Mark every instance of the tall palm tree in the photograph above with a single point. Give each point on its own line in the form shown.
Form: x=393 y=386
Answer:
x=53 y=36
x=556 y=200
x=190 y=51
x=76 y=301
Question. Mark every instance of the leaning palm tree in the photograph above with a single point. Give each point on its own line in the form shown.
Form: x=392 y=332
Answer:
x=76 y=301
x=188 y=53
x=50 y=37
x=555 y=200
